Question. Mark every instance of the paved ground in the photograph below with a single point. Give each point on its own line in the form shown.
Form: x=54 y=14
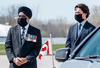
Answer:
x=45 y=62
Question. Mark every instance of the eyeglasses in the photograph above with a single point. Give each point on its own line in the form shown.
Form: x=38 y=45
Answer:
x=23 y=16
x=78 y=13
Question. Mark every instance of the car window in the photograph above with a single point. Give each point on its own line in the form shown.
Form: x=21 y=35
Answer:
x=92 y=46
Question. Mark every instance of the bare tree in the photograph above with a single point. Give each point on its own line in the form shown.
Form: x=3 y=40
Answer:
x=8 y=14
x=95 y=15
x=58 y=27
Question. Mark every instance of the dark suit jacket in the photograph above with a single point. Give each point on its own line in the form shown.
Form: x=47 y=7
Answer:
x=73 y=40
x=29 y=49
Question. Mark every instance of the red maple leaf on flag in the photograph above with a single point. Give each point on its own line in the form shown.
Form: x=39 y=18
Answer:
x=40 y=56
x=43 y=49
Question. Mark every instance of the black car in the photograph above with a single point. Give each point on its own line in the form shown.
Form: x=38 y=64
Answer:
x=85 y=55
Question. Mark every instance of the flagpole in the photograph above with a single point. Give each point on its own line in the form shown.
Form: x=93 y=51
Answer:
x=52 y=52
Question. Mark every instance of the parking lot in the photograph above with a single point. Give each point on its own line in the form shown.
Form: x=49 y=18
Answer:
x=45 y=62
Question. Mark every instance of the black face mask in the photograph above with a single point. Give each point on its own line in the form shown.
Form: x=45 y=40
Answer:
x=22 y=22
x=79 y=18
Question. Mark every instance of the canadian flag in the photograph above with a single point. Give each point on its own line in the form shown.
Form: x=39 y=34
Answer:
x=46 y=49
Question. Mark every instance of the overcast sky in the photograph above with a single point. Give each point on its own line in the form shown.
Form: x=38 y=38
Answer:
x=52 y=9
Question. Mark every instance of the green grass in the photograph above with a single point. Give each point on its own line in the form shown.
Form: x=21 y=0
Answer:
x=2 y=53
x=2 y=47
x=55 y=47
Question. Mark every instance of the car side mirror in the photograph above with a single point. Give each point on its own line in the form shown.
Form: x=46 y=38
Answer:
x=62 y=54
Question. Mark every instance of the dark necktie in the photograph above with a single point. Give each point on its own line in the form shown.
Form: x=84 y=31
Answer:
x=80 y=25
x=22 y=36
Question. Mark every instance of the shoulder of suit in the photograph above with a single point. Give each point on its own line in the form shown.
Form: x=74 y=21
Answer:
x=34 y=28
x=90 y=24
x=71 y=27
x=74 y=25
x=13 y=27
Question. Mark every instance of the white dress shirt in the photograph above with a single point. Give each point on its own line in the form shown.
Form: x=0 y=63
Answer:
x=26 y=29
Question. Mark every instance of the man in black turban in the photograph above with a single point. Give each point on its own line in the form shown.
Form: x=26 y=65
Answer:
x=27 y=11
x=25 y=14
x=23 y=42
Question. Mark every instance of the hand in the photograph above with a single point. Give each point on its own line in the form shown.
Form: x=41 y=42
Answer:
x=17 y=62
x=22 y=60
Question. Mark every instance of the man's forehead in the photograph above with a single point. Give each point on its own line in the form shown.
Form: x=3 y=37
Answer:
x=21 y=13
x=77 y=9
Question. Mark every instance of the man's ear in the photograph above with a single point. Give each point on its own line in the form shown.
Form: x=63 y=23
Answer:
x=84 y=16
x=27 y=20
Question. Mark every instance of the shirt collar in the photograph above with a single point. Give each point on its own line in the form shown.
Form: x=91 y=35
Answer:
x=82 y=23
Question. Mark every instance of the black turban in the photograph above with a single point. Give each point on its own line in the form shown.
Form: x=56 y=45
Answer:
x=27 y=11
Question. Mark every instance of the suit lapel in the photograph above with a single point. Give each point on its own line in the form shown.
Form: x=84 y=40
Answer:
x=18 y=34
x=30 y=30
x=75 y=31
x=83 y=30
